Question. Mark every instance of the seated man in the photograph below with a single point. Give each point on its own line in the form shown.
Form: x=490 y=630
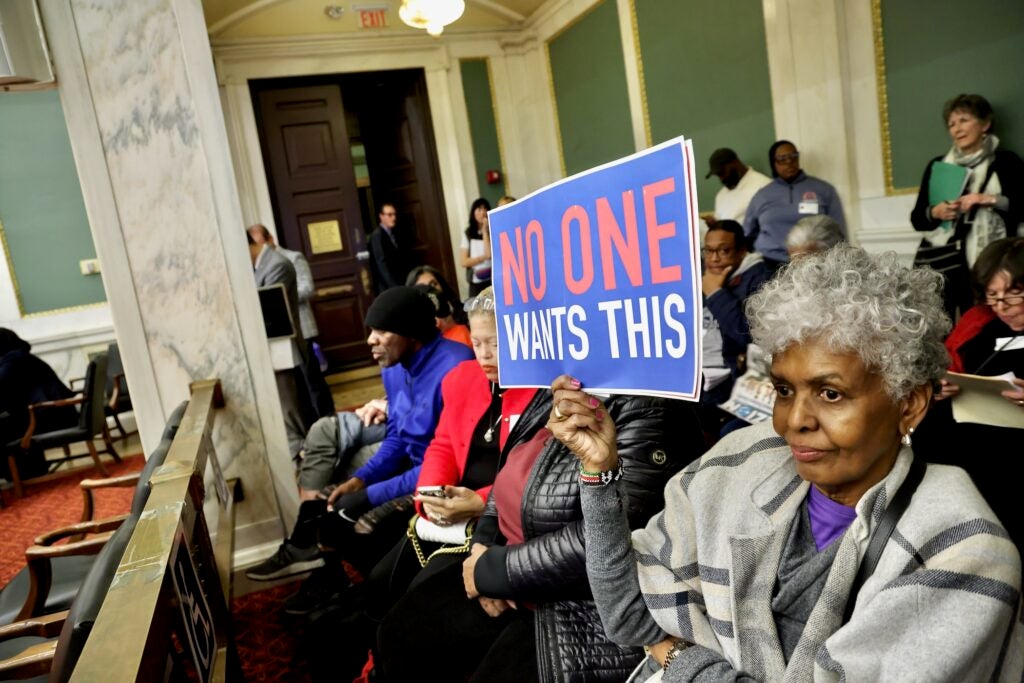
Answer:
x=405 y=342
x=340 y=443
x=731 y=274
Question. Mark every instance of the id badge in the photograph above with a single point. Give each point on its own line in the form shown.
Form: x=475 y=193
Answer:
x=808 y=208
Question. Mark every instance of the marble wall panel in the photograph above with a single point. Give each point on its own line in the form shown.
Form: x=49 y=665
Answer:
x=146 y=110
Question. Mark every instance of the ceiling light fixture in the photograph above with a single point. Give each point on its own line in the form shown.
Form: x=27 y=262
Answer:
x=431 y=15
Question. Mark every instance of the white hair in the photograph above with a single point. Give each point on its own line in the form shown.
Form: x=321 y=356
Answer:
x=890 y=315
x=818 y=232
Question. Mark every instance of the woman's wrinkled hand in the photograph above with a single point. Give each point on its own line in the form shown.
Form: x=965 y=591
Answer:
x=469 y=566
x=459 y=505
x=946 y=390
x=581 y=422
x=495 y=606
x=945 y=211
x=969 y=201
x=1016 y=396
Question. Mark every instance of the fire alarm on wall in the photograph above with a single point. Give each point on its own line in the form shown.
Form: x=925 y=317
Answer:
x=493 y=177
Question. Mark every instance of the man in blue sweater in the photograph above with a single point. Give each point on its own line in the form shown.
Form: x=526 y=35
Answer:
x=405 y=342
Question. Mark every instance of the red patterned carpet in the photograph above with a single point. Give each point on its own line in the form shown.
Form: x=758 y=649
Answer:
x=55 y=504
x=267 y=638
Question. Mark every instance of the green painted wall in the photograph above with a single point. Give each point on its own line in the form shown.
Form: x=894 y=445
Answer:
x=706 y=75
x=589 y=75
x=483 y=129
x=41 y=205
x=936 y=50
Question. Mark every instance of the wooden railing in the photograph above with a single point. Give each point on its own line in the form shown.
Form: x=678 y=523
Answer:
x=172 y=585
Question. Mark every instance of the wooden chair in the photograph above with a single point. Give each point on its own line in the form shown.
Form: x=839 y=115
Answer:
x=119 y=400
x=27 y=647
x=91 y=423
x=140 y=479
x=51 y=582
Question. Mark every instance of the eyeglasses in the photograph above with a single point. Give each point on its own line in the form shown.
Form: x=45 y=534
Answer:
x=785 y=158
x=724 y=252
x=387 y=213
x=479 y=303
x=1005 y=300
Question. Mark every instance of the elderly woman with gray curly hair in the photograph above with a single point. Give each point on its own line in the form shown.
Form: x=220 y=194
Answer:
x=817 y=547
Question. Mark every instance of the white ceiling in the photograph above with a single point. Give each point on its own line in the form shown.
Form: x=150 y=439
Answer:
x=253 y=18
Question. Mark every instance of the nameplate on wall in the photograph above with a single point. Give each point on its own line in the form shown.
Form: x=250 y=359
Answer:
x=324 y=237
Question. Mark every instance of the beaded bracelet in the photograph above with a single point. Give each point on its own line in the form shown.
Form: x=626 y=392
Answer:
x=600 y=478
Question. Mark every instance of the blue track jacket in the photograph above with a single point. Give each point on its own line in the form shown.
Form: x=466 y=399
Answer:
x=414 y=408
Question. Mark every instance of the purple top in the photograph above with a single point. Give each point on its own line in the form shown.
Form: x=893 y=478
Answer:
x=829 y=519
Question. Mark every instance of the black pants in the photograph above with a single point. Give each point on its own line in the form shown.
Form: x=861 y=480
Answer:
x=477 y=287
x=363 y=551
x=319 y=391
x=435 y=632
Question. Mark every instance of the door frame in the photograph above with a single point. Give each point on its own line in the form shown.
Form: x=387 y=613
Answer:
x=452 y=142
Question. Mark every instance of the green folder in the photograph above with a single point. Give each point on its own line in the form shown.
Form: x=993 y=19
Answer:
x=946 y=183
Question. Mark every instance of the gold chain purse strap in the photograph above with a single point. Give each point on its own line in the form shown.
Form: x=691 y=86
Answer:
x=414 y=540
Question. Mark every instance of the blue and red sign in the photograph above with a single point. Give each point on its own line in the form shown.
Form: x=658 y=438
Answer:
x=598 y=276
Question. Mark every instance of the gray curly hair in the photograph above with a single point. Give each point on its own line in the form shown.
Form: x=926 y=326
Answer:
x=888 y=314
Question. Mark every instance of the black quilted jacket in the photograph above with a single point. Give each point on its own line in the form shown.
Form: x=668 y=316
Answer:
x=656 y=438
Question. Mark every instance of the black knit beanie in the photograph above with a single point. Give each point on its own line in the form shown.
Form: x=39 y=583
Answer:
x=405 y=311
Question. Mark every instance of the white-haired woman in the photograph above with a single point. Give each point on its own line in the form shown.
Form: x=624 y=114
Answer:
x=990 y=204
x=774 y=558
x=812 y=234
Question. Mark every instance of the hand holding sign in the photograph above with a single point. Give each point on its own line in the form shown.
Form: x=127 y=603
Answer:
x=582 y=423
x=598 y=276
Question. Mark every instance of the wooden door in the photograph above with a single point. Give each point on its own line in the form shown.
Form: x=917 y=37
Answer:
x=394 y=120
x=309 y=164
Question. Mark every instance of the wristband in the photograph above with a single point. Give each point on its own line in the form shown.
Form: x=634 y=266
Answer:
x=600 y=478
x=677 y=647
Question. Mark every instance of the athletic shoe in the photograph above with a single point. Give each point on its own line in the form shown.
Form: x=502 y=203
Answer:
x=321 y=586
x=287 y=561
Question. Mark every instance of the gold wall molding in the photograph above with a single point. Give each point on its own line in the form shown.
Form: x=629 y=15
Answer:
x=551 y=75
x=554 y=105
x=635 y=27
x=878 y=37
x=17 y=287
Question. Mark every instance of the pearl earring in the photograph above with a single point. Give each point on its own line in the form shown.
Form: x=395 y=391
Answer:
x=906 y=440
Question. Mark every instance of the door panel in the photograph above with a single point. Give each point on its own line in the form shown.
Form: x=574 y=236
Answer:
x=310 y=166
x=394 y=116
x=307 y=128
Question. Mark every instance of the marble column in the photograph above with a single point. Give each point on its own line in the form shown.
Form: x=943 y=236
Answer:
x=144 y=115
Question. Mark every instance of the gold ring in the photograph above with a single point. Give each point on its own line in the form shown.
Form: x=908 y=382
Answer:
x=558 y=413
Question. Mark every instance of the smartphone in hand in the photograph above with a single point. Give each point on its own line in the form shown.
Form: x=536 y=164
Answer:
x=432 y=491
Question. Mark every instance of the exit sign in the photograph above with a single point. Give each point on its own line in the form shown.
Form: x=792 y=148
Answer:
x=373 y=16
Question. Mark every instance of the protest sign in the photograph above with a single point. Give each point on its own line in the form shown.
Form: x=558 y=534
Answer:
x=598 y=276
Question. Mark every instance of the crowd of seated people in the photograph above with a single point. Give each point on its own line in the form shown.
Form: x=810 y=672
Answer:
x=556 y=535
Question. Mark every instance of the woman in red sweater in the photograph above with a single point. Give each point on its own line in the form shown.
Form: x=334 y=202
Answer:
x=462 y=461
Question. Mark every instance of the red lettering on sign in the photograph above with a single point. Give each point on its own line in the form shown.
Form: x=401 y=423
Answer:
x=577 y=214
x=512 y=265
x=538 y=285
x=626 y=246
x=656 y=232
x=523 y=267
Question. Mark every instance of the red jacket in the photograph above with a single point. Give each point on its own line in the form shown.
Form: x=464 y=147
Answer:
x=466 y=394
x=971 y=324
